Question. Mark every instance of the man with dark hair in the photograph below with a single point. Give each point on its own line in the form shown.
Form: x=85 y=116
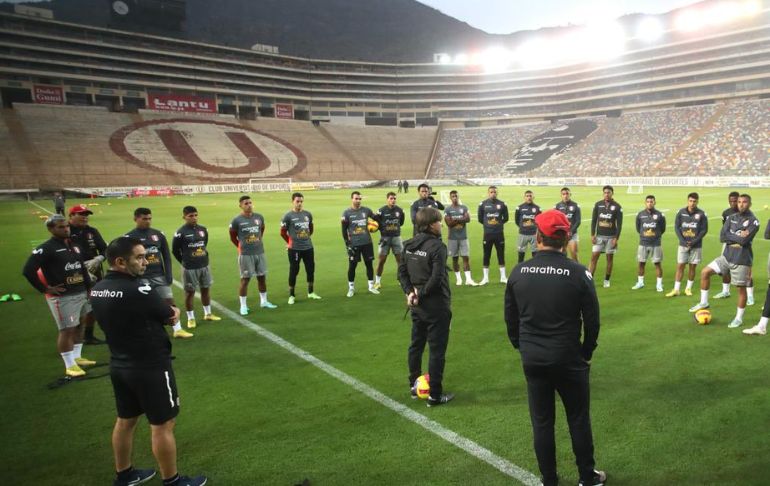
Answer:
x=524 y=217
x=59 y=202
x=732 y=208
x=189 y=247
x=132 y=315
x=425 y=200
x=358 y=241
x=606 y=224
x=456 y=216
x=158 y=273
x=650 y=224
x=571 y=210
x=691 y=225
x=246 y=232
x=56 y=270
x=296 y=230
x=390 y=219
x=92 y=247
x=493 y=214
x=761 y=328
x=737 y=257
x=550 y=301
x=423 y=277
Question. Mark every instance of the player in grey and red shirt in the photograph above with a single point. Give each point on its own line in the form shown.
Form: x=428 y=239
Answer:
x=391 y=218
x=358 y=241
x=296 y=230
x=246 y=231
x=732 y=208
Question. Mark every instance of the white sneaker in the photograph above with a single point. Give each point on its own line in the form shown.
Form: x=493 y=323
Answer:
x=750 y=300
x=606 y=284
x=458 y=282
x=658 y=288
x=471 y=283
x=722 y=295
x=636 y=286
x=484 y=281
x=244 y=311
x=698 y=307
x=755 y=331
x=735 y=323
x=374 y=291
x=291 y=300
x=351 y=292
x=503 y=280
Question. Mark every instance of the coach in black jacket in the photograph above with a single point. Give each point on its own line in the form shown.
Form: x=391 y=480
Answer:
x=423 y=276
x=548 y=301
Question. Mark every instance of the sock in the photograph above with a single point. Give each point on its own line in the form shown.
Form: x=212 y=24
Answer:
x=172 y=480
x=468 y=277
x=689 y=284
x=206 y=310
x=69 y=359
x=678 y=285
x=291 y=291
x=763 y=322
x=638 y=279
x=351 y=285
x=459 y=276
x=77 y=349
x=486 y=273
x=125 y=474
x=659 y=281
x=502 y=272
x=726 y=288
x=309 y=288
x=704 y=297
x=262 y=297
x=371 y=283
x=607 y=277
x=377 y=278
x=750 y=292
x=243 y=301
x=521 y=256
x=739 y=313
x=177 y=326
x=190 y=315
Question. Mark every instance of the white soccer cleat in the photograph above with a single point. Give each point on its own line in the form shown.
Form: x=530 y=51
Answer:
x=659 y=288
x=244 y=311
x=458 y=282
x=291 y=300
x=636 y=286
x=374 y=290
x=755 y=331
x=471 y=283
x=699 y=306
x=722 y=295
x=351 y=292
x=735 y=323
x=484 y=281
x=503 y=280
x=606 y=284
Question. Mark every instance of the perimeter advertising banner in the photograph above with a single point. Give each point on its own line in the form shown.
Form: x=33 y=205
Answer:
x=48 y=95
x=284 y=111
x=181 y=103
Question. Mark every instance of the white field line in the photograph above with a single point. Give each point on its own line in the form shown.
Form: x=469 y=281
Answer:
x=39 y=206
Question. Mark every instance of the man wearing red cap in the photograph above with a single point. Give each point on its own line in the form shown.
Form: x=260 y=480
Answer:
x=550 y=301
x=92 y=249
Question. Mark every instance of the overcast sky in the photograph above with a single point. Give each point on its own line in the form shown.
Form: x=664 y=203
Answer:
x=506 y=16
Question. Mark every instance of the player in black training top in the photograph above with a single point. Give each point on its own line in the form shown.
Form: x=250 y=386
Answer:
x=606 y=224
x=732 y=208
x=524 y=217
x=132 y=315
x=571 y=210
x=493 y=214
x=391 y=218
x=426 y=200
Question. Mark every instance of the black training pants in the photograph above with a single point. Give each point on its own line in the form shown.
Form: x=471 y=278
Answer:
x=308 y=258
x=433 y=328
x=496 y=240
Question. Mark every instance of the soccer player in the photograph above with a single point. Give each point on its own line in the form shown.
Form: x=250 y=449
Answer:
x=737 y=257
x=550 y=301
x=56 y=269
x=456 y=216
x=59 y=202
x=390 y=218
x=732 y=208
x=246 y=232
x=691 y=225
x=606 y=225
x=158 y=272
x=423 y=278
x=400 y=186
x=761 y=328
x=189 y=247
x=493 y=214
x=133 y=316
x=426 y=200
x=296 y=230
x=92 y=247
x=650 y=224
x=524 y=217
x=571 y=210
x=358 y=241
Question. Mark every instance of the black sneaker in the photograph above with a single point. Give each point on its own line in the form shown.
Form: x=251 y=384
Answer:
x=137 y=476
x=444 y=398
x=599 y=479
x=188 y=481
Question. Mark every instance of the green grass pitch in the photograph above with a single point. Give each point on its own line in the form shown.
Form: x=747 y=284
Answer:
x=672 y=402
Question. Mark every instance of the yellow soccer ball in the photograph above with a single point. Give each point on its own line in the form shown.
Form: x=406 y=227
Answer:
x=422 y=386
x=702 y=317
x=372 y=225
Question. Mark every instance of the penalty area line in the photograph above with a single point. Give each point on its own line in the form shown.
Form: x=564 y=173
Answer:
x=467 y=445
x=39 y=206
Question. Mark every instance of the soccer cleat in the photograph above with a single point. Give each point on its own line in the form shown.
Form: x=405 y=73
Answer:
x=374 y=290
x=291 y=300
x=688 y=292
x=755 y=331
x=138 y=476
x=211 y=317
x=351 y=292
x=636 y=286
x=191 y=324
x=458 y=282
x=5 y=298
x=606 y=284
x=314 y=296
x=658 y=288
x=722 y=295
x=413 y=391
x=74 y=371
x=182 y=334
x=84 y=362
x=244 y=311
x=444 y=398
x=188 y=481
x=471 y=283
x=267 y=305
x=673 y=293
x=735 y=323
x=699 y=306
x=503 y=280
x=377 y=285
x=600 y=477
x=484 y=281
x=750 y=300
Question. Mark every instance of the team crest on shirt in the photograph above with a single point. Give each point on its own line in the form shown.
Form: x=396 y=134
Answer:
x=76 y=249
x=697 y=216
x=572 y=208
x=201 y=233
x=533 y=210
x=746 y=223
x=498 y=206
x=654 y=216
x=397 y=215
x=307 y=219
x=612 y=208
x=90 y=236
x=154 y=237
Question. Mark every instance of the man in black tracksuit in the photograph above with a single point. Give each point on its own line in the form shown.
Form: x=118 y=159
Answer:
x=549 y=300
x=132 y=315
x=423 y=277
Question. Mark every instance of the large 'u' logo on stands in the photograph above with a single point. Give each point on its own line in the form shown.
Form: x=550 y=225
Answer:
x=206 y=149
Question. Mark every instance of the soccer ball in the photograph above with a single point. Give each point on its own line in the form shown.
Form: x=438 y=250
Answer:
x=702 y=317
x=422 y=386
x=372 y=225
